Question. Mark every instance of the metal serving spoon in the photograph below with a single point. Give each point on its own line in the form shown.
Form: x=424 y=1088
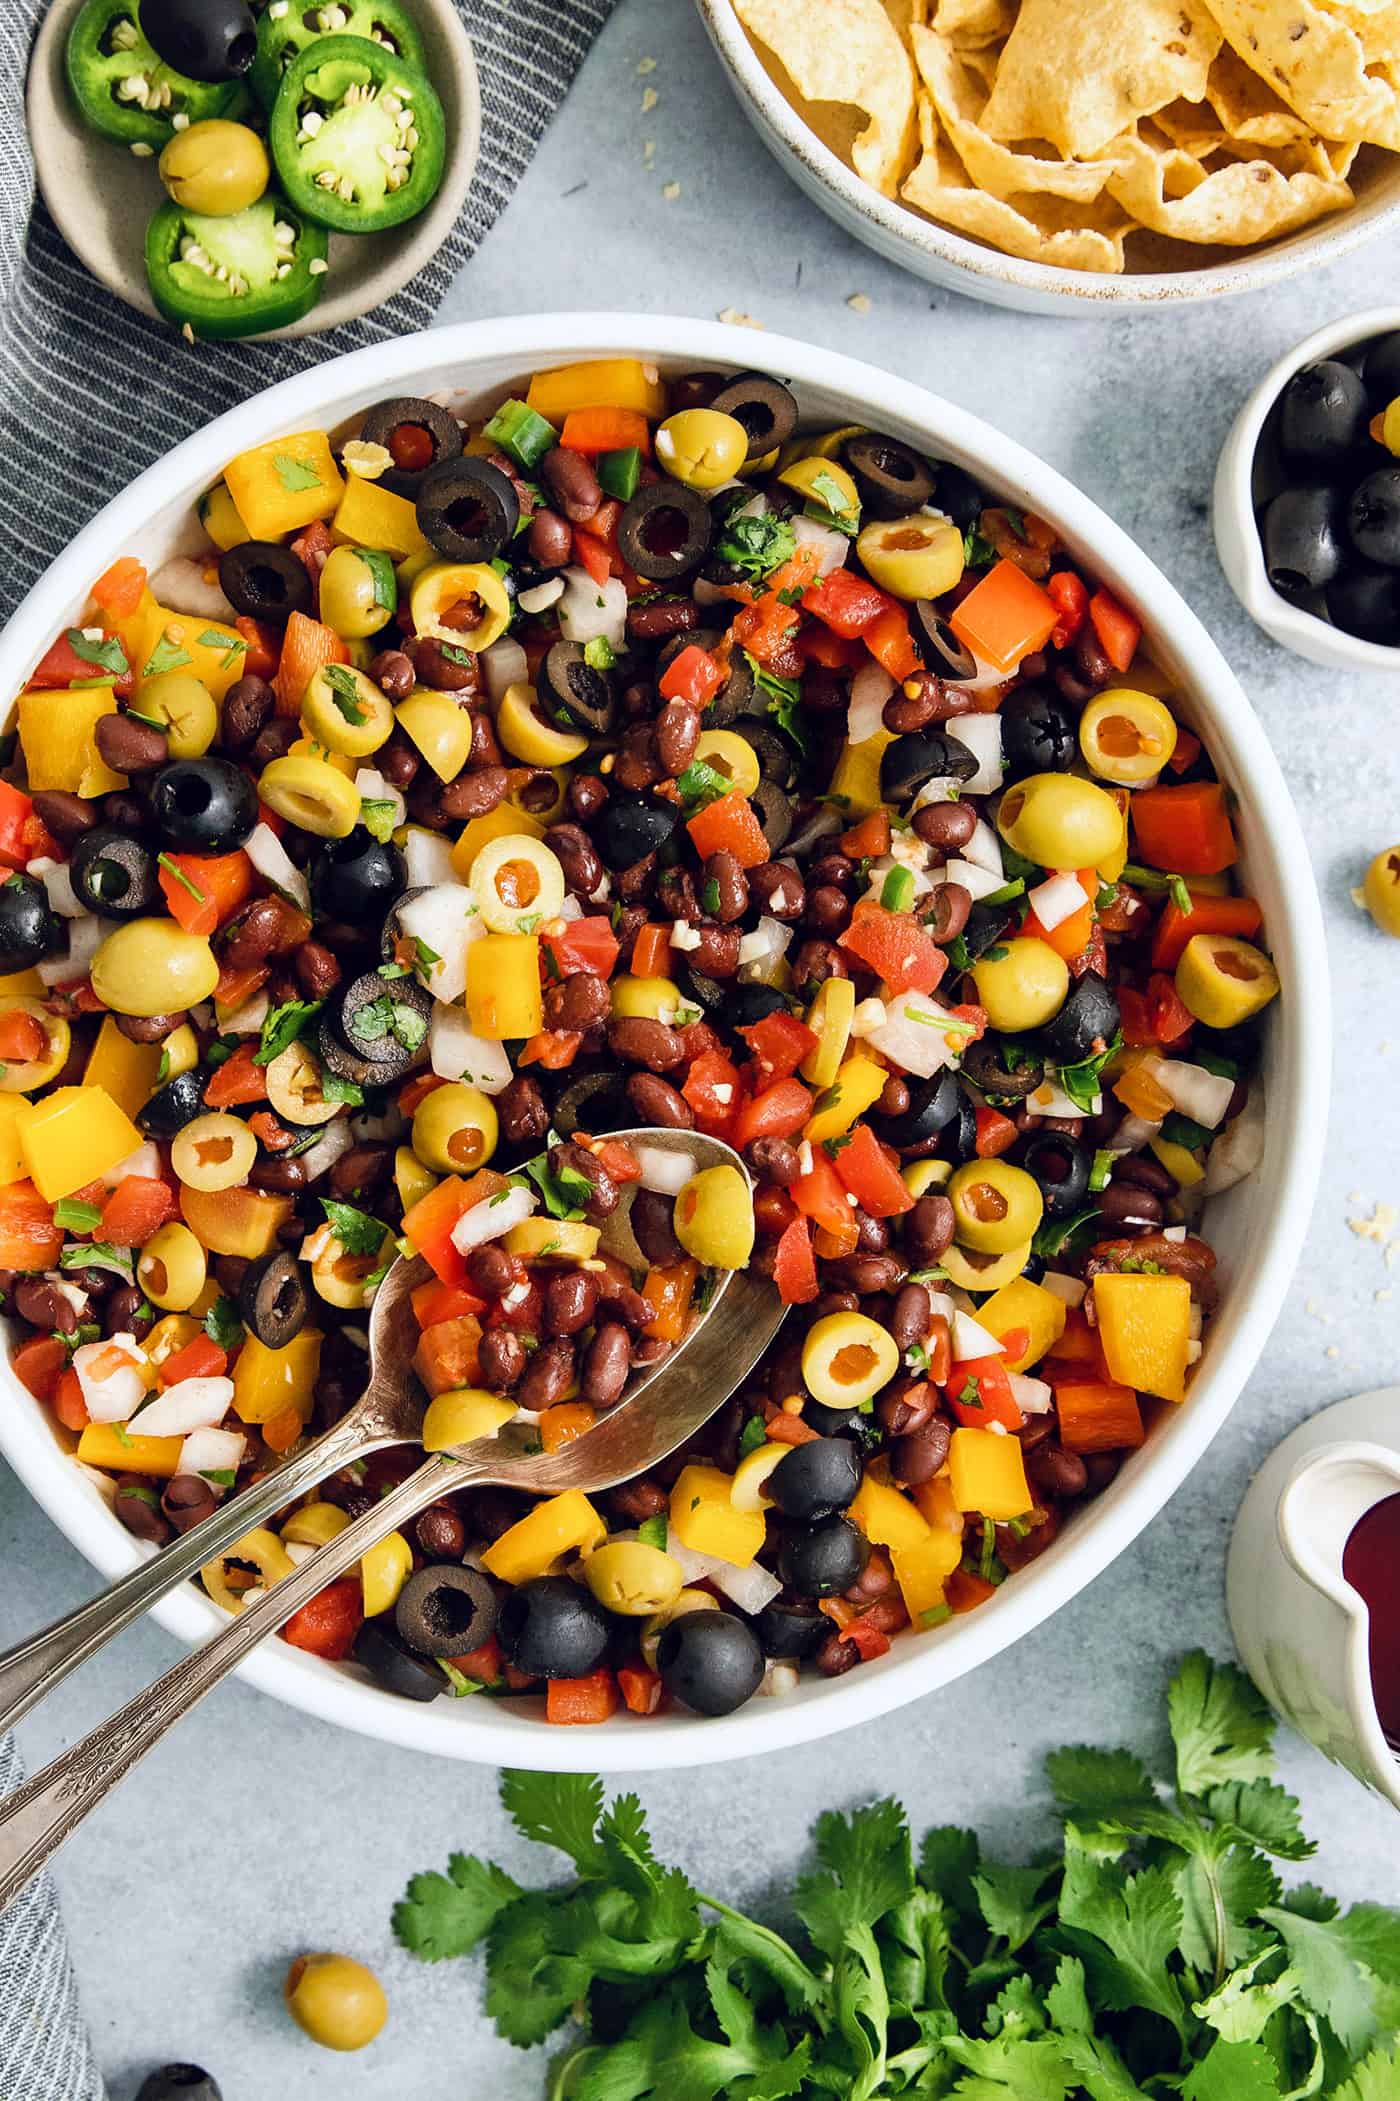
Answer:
x=665 y=1407
x=389 y=1412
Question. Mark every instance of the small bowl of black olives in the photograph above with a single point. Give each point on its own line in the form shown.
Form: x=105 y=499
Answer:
x=1307 y=497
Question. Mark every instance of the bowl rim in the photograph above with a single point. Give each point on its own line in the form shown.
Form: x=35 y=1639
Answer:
x=447 y=358
x=1234 y=515
x=1327 y=240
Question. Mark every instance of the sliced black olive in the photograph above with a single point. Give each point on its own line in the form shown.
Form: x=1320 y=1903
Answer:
x=892 y=479
x=552 y=1627
x=113 y=874
x=956 y=493
x=735 y=697
x=983 y=1064
x=207 y=806
x=383 y=1651
x=1061 y=1167
x=936 y=643
x=203 y=39
x=357 y=878
x=631 y=828
x=1085 y=1024
x=1381 y=370
x=751 y=1003
x=30 y=928
x=766 y=408
x=1038 y=733
x=174 y=1105
x=664 y=531
x=594 y=1102
x=706 y=992
x=446 y=1610
x=391 y=933
x=986 y=924
x=265 y=581
x=774 y=814
x=385 y=1019
x=777 y=761
x=347 y=1064
x=273 y=1299
x=1241 y=1044
x=791 y=1627
x=574 y=693
x=1366 y=602
x=926 y=755
x=1322 y=414
x=932 y=1104
x=958 y=1140
x=1303 y=544
x=468 y=509
x=413 y=412
x=1373 y=518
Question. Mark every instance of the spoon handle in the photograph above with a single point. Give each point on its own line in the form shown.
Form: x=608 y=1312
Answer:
x=32 y=1668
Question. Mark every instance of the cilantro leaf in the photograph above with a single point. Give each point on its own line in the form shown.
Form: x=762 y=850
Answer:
x=1233 y=2072
x=566 y=1193
x=558 y=1809
x=1222 y=1729
x=166 y=656
x=756 y=546
x=223 y=1324
x=1331 y=1980
x=345 y=692
x=282 y=1026
x=106 y=655
x=1010 y=1902
x=1263 y=1815
x=1081 y=1082
x=379 y=814
x=1125 y=1929
x=1376 y=2078
x=295 y=475
x=381 y=568
x=357 y=1232
x=441 y=1916
x=1092 y=1785
x=700 y=785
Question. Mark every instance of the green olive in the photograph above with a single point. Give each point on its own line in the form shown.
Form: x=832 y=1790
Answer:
x=517 y=881
x=172 y=1268
x=644 y=999
x=995 y=1206
x=215 y=168
x=1223 y=981
x=336 y=2000
x=1021 y=984
x=152 y=966
x=215 y=1151
x=294 y=1087
x=629 y=1577
x=187 y=708
x=847 y=1358
x=1060 y=821
x=344 y=710
x=24 y=1075
x=1381 y=890
x=359 y=591
x=713 y=1218
x=455 y=1129
x=311 y=793
x=701 y=447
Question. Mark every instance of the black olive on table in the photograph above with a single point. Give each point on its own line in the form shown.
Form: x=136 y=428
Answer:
x=575 y=693
x=180 y=2083
x=265 y=581
x=664 y=531
x=956 y=493
x=984 y=1063
x=30 y=928
x=938 y=647
x=932 y=1104
x=1060 y=1165
x=823 y=1559
x=383 y=1651
x=631 y=828
x=551 y=1627
x=412 y=413
x=594 y=1102
x=891 y=478
x=357 y=878
x=385 y=1019
x=273 y=1300
x=174 y=1105
x=467 y=509
x=204 y=806
x=1322 y=416
x=1381 y=371
x=766 y=408
x=203 y=39
x=911 y=762
x=113 y=874
x=751 y=1003
x=446 y=1610
x=791 y=1628
x=1366 y=602
x=816 y=1479
x=710 y=1660
x=1303 y=544
x=1085 y=1024
x=1038 y=733
x=1373 y=518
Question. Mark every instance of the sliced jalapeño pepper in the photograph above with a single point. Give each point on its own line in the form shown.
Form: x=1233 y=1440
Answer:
x=125 y=91
x=239 y=276
x=285 y=32
x=357 y=136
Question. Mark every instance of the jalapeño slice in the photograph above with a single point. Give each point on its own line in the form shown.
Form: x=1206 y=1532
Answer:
x=125 y=91
x=358 y=137
x=239 y=276
x=288 y=26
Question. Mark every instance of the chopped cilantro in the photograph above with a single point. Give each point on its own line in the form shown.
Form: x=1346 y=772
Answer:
x=653 y=1532
x=753 y=1434
x=345 y=692
x=357 y=1232
x=1081 y=1082
x=978 y=551
x=186 y=882
x=98 y=1254
x=76 y=1217
x=566 y=1192
x=700 y=785
x=296 y=476
x=282 y=1026
x=381 y=569
x=379 y=814
x=166 y=656
x=223 y=1324
x=1065 y=1236
x=756 y=546
x=107 y=655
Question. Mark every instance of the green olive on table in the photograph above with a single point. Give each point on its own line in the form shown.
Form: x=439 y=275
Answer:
x=335 y=2000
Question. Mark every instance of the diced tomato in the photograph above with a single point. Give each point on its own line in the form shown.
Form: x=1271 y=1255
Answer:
x=617 y=1159
x=434 y=1302
x=203 y=890
x=891 y=644
x=651 y=952
x=1185 y=752
x=1237 y=916
x=1118 y=630
x=485 y=1664
x=236 y=987
x=1070 y=595
x=869 y=839
x=574 y=1700
x=779 y=1112
x=526 y=1315
x=306 y=647
x=711 y=1087
x=779 y=1043
x=38 y=1363
x=896 y=948
x=870 y=1641
x=29 y=1239
x=119 y=590
x=592 y=555
x=586 y=945
x=965 y=1590
x=200 y=1359
x=68 y=1403
x=729 y=825
x=137 y=1208
x=552 y=1049
x=1185 y=828
x=642 y=1690
x=693 y=675
x=17 y=827
x=975 y=1017
x=872 y=1177
x=995 y=1133
x=1132 y=1016
x=986 y=1384
x=1168 y=1016
x=61 y=665
x=236 y=1081
x=783 y=1428
x=820 y=1195
x=795 y=1265
x=767 y=630
x=327 y=1624
x=845 y=602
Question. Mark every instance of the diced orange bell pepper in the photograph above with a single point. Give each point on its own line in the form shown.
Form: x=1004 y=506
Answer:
x=327 y=1624
x=668 y=1290
x=604 y=429
x=554 y=1050
x=1184 y=827
x=119 y=590
x=872 y=1178
x=281 y=1431
x=1076 y=1354
x=1118 y=630
x=203 y=890
x=236 y=1081
x=447 y=1354
x=306 y=647
x=1098 y=1415
x=429 y=1223
x=869 y=839
x=641 y=1689
x=651 y=953
x=966 y=1590
x=264 y=646
x=38 y=1363
x=1072 y=935
x=729 y=825
x=1238 y=916
x=574 y=1700
x=890 y=643
x=29 y=1239
x=565 y=1421
x=68 y=1403
x=1006 y=617
x=236 y=987
x=995 y=1134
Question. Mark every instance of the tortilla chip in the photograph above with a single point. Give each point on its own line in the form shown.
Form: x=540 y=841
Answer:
x=1234 y=205
x=1041 y=229
x=993 y=167
x=1317 y=63
x=846 y=51
x=1080 y=72
x=969 y=23
x=1248 y=107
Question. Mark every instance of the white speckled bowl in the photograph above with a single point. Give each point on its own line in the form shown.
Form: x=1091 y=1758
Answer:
x=963 y=265
x=1234 y=513
x=1257 y=1228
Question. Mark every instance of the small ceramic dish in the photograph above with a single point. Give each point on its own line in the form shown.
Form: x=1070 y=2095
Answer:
x=1247 y=475
x=102 y=197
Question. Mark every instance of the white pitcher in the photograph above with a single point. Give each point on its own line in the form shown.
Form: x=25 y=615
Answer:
x=1301 y=1629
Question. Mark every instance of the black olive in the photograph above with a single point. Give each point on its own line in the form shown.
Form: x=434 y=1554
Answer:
x=958 y=1139
x=411 y=411
x=174 y=1105
x=816 y=1479
x=551 y=1627
x=265 y=581
x=1366 y=602
x=1373 y=518
x=664 y=531
x=1322 y=414
x=891 y=478
x=468 y=509
x=204 y=806
x=707 y=993
x=347 y=1065
x=594 y=1102
x=357 y=878
x=180 y=2083
x=751 y=1003
x=1302 y=535
x=574 y=693
x=735 y=697
x=956 y=493
x=938 y=646
x=385 y=1019
x=774 y=814
x=824 y=1559
x=203 y=39
x=984 y=1064
x=446 y=1610
x=832 y=1422
x=791 y=1628
x=926 y=755
x=1038 y=733
x=1381 y=371
x=391 y=933
x=711 y=1661
x=631 y=828
x=932 y=1104
x=29 y=926
x=986 y=924
x=1060 y=1165
x=113 y=874
x=766 y=408
x=1085 y=1024
x=384 y=1652
x=1241 y=1044
x=777 y=761
x=272 y=1299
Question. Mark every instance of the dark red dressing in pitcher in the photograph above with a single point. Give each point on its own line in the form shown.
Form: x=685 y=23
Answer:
x=1371 y=1564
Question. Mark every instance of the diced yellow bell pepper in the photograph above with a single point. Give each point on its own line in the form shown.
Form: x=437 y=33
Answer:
x=12 y=1167
x=315 y=1523
x=857 y=1087
x=372 y=516
x=58 y=736
x=72 y=1136
x=922 y=1570
x=286 y=484
x=500 y=823
x=566 y=1524
x=609 y=382
x=503 y=986
x=23 y=984
x=384 y=1570
x=704 y=1518
x=267 y=1381
x=829 y=1017
x=120 y=1451
x=856 y=780
x=886 y=1516
x=935 y=1501
x=214 y=650
x=988 y=1474
x=1178 y=1161
x=1144 y=1329
x=268 y=1556
x=1021 y=1304
x=125 y=1070
x=234 y=1221
x=218 y=514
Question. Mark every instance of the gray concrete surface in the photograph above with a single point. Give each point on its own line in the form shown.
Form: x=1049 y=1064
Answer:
x=255 y=1832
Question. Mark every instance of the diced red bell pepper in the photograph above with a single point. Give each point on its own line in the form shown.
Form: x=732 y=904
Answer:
x=651 y=952
x=327 y=1624
x=729 y=825
x=38 y=1363
x=872 y=1177
x=119 y=590
x=137 y=1208
x=617 y=1160
x=819 y=645
x=436 y=1301
x=1098 y=1415
x=965 y=1590
x=1238 y=916
x=264 y=646
x=1118 y=630
x=845 y=602
x=605 y=429
x=22 y=1037
x=1070 y=594
x=693 y=675
x=979 y=1394
x=642 y=1690
x=767 y=630
x=820 y=1195
x=891 y=644
x=17 y=820
x=1168 y=1016
x=574 y=1700
x=486 y=1663
x=779 y=1043
x=203 y=890
x=552 y=1049
x=1005 y=617
x=429 y=1223
x=712 y=1088
x=1185 y=752
x=896 y=948
x=869 y=1641
x=592 y=555
x=236 y=1081
x=200 y=1359
x=61 y=665
x=1184 y=827
x=1133 y=1017
x=588 y=946
x=779 y=1112
x=795 y=1266
x=995 y=1133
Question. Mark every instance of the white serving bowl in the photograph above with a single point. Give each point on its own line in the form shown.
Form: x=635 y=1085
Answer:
x=1235 y=515
x=935 y=252
x=1258 y=1228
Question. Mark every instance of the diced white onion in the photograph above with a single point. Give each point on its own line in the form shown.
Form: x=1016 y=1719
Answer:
x=111 y=1396
x=765 y=947
x=1056 y=900
x=834 y=546
x=248 y=1019
x=942 y=1306
x=145 y=1161
x=206 y=1452
x=542 y=596
x=942 y=787
x=750 y=1588
x=1177 y=1233
x=983 y=678
x=74 y=1294
x=182 y=585
x=870 y=1015
x=706 y=593
x=982 y=736
x=1032 y=1396
x=918 y=1035
x=971 y=1340
x=371 y=786
x=58 y=883
x=664 y=1171
x=456 y=1053
x=505 y=664
x=446 y=920
x=492 y=1217
x=427 y=858
x=1201 y=1095
x=296 y=1551
x=983 y=849
x=779 y=1680
x=1133 y=1133
x=1071 y=1289
x=684 y=936
x=870 y=689
x=694 y=1568
x=272 y=861
x=334 y=1140
x=387 y=1128
x=192 y=1404
x=85 y=937
x=1049 y=1100
x=588 y=610
x=1239 y=1148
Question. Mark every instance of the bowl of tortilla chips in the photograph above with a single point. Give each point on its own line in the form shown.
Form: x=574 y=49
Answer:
x=1052 y=154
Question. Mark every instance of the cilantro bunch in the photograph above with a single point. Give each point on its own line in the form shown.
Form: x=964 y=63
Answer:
x=1154 y=1954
